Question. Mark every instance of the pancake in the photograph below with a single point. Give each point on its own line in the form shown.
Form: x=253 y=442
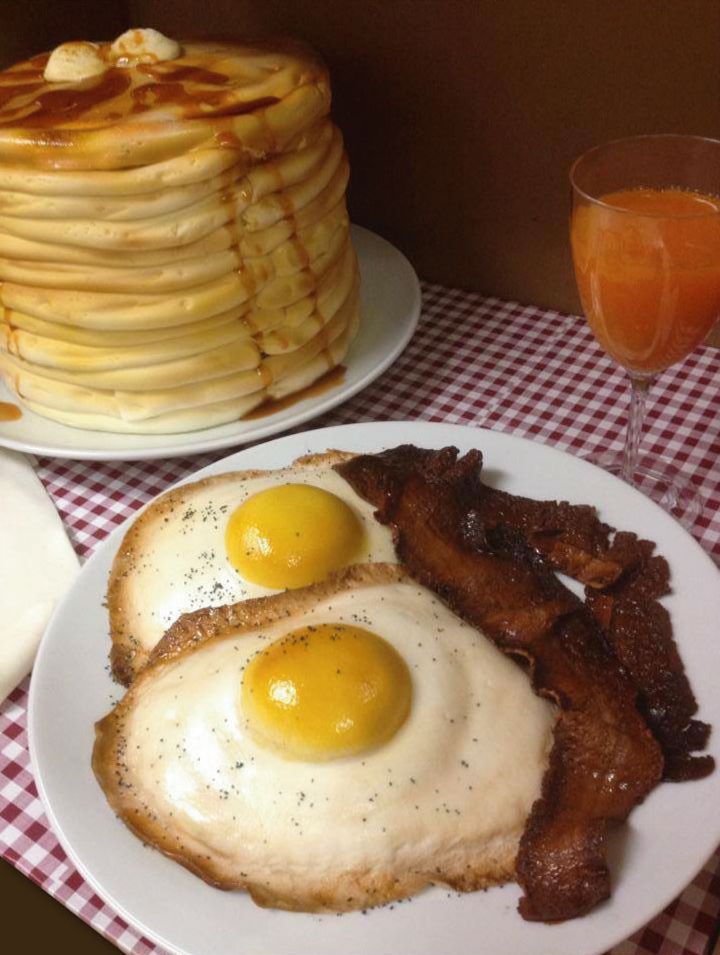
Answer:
x=137 y=113
x=174 y=239
x=204 y=415
x=216 y=379
x=293 y=255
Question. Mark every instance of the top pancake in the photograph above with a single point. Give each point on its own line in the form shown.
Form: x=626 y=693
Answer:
x=250 y=97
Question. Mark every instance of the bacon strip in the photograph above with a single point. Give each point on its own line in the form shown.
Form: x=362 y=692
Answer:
x=604 y=760
x=639 y=630
x=624 y=581
x=569 y=536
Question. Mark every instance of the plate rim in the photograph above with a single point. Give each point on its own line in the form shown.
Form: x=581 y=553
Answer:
x=271 y=426
x=313 y=436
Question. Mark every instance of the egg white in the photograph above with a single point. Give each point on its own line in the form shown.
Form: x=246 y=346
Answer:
x=446 y=799
x=173 y=558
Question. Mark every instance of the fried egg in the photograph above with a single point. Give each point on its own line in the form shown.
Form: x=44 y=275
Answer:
x=331 y=747
x=233 y=537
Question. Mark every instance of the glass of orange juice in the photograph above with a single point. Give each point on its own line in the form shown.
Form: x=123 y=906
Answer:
x=645 y=236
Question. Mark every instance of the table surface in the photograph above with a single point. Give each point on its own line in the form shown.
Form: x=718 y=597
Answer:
x=476 y=361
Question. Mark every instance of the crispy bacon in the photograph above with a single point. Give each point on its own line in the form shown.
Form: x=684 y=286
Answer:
x=604 y=760
x=624 y=579
x=569 y=536
x=639 y=630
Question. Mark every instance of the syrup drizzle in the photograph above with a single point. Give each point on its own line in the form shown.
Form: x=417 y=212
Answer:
x=332 y=378
x=9 y=411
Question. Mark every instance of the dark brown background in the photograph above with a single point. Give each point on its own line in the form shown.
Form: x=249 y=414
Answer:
x=461 y=116
x=461 y=119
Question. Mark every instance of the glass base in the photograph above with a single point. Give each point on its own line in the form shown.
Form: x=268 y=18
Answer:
x=662 y=483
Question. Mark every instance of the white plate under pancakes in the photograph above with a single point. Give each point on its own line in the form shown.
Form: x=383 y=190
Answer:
x=653 y=857
x=390 y=308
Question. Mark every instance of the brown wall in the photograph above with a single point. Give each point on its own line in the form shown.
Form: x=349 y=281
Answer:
x=462 y=117
x=31 y=26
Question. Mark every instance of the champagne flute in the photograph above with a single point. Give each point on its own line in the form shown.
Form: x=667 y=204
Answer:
x=645 y=236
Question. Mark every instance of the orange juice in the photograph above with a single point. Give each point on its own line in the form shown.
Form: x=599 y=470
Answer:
x=647 y=263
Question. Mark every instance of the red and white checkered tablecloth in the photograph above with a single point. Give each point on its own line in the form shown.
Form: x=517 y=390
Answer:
x=473 y=360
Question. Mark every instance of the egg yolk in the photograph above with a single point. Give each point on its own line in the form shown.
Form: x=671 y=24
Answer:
x=292 y=535
x=326 y=691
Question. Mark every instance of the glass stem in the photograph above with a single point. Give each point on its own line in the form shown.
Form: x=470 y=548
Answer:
x=638 y=397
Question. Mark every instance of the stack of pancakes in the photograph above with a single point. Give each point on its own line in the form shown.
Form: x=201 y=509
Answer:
x=174 y=241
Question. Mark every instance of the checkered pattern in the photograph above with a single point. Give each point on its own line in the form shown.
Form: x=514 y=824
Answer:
x=473 y=360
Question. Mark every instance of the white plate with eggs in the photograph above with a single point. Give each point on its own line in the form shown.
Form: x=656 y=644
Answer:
x=653 y=856
x=390 y=309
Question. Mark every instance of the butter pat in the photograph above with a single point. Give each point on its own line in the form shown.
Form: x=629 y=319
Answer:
x=143 y=46
x=73 y=62
x=81 y=60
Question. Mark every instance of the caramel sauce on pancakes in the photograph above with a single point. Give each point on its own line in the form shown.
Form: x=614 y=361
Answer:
x=207 y=82
x=331 y=379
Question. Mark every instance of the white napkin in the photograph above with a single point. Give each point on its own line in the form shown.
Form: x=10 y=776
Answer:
x=37 y=565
